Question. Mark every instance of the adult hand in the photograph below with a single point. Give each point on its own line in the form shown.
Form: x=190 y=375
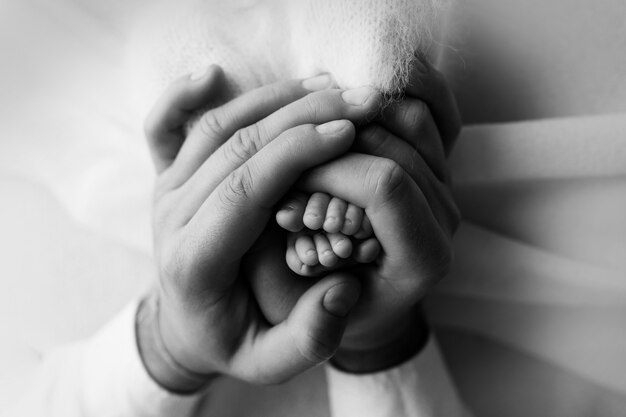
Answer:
x=398 y=173
x=214 y=196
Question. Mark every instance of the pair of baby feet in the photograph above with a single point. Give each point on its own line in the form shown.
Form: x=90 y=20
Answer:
x=325 y=233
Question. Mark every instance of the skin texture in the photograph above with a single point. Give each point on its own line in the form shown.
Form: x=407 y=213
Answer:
x=214 y=195
x=220 y=278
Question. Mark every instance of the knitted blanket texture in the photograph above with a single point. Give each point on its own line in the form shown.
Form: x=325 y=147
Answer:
x=360 y=42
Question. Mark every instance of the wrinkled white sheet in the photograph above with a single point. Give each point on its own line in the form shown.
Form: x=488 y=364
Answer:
x=72 y=253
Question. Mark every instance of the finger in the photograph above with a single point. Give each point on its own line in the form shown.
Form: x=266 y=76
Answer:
x=214 y=127
x=355 y=105
x=429 y=85
x=325 y=252
x=305 y=249
x=335 y=215
x=296 y=265
x=243 y=202
x=435 y=189
x=341 y=244
x=412 y=121
x=310 y=335
x=352 y=223
x=315 y=211
x=375 y=139
x=291 y=212
x=164 y=126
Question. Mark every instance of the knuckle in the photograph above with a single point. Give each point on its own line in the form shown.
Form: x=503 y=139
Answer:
x=244 y=144
x=313 y=349
x=314 y=106
x=275 y=93
x=388 y=177
x=238 y=187
x=211 y=125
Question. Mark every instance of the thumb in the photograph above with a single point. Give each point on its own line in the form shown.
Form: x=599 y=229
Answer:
x=312 y=332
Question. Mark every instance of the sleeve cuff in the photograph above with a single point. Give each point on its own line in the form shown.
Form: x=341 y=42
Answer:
x=118 y=379
x=420 y=387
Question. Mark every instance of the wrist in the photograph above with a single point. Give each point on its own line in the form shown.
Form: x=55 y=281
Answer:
x=410 y=338
x=157 y=360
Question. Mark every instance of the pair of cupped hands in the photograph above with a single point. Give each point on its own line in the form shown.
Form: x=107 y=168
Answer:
x=227 y=303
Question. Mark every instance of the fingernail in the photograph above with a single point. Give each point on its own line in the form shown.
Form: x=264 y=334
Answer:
x=340 y=299
x=320 y=82
x=357 y=96
x=199 y=74
x=332 y=127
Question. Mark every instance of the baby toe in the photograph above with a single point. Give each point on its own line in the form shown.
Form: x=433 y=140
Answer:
x=341 y=245
x=324 y=251
x=315 y=212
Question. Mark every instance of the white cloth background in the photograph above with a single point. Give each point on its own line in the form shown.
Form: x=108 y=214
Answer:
x=70 y=152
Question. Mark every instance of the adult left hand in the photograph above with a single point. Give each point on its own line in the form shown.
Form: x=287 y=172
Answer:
x=214 y=195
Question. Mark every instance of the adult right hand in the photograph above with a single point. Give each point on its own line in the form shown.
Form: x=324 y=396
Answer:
x=398 y=173
x=215 y=193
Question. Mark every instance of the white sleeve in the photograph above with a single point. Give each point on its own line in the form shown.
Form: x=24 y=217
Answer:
x=101 y=376
x=420 y=387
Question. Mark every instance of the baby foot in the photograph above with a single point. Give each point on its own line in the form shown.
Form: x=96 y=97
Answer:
x=327 y=233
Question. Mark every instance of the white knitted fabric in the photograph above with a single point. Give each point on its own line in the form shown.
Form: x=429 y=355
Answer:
x=360 y=42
